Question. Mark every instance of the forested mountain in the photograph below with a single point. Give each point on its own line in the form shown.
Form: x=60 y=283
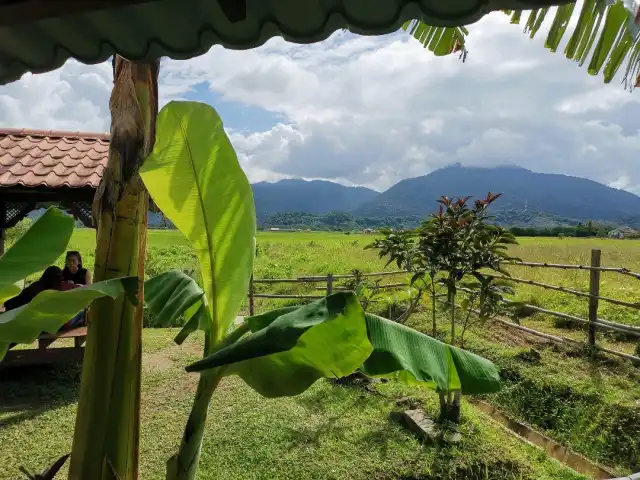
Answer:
x=318 y=197
x=562 y=197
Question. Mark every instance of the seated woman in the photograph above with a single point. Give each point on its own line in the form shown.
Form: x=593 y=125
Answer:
x=51 y=279
x=73 y=271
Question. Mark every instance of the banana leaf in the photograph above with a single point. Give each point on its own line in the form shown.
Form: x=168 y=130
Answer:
x=327 y=338
x=38 y=248
x=415 y=358
x=51 y=309
x=194 y=177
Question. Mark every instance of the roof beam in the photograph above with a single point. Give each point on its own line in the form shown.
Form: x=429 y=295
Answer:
x=14 y=12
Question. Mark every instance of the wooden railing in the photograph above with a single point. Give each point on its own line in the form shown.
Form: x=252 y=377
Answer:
x=593 y=296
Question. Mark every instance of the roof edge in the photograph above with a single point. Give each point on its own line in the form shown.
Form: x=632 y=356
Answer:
x=24 y=132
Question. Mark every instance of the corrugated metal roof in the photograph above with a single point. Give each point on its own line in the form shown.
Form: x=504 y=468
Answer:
x=186 y=28
x=41 y=158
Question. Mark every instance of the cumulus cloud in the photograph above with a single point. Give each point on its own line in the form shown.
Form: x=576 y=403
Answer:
x=374 y=110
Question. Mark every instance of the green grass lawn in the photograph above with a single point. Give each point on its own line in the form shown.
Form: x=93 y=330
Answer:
x=592 y=406
x=329 y=432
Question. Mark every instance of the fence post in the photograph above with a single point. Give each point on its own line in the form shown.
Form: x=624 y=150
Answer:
x=329 y=284
x=594 y=291
x=251 y=306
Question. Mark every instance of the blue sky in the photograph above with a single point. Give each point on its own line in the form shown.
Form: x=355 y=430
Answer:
x=374 y=110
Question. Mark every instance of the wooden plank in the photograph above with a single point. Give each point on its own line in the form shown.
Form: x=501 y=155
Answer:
x=72 y=333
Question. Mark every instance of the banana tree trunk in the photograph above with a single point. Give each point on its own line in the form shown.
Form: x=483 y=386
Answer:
x=106 y=437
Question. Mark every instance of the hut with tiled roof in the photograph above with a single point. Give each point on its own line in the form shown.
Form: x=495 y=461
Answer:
x=39 y=167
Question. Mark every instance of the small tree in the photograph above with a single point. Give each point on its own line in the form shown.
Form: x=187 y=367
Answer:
x=456 y=243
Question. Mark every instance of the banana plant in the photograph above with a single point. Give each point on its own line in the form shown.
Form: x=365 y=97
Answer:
x=613 y=26
x=194 y=177
x=38 y=248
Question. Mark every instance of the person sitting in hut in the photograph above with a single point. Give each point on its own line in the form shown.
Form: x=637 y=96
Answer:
x=51 y=279
x=73 y=271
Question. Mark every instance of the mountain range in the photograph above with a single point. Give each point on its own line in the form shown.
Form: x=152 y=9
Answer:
x=316 y=196
x=528 y=198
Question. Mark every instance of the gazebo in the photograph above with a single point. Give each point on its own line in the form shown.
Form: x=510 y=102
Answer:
x=39 y=36
x=43 y=167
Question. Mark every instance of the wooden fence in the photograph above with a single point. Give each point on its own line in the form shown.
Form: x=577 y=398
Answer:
x=593 y=296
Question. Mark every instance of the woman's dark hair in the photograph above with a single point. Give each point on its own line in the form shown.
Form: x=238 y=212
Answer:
x=74 y=253
x=51 y=278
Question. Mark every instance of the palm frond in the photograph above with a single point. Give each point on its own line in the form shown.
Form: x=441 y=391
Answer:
x=607 y=24
x=616 y=40
x=438 y=40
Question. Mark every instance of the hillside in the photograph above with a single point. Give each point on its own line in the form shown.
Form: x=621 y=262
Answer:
x=317 y=197
x=561 y=197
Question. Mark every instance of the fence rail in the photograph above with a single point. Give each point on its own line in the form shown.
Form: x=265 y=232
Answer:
x=593 y=296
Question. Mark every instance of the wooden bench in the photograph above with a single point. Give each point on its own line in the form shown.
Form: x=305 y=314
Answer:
x=44 y=355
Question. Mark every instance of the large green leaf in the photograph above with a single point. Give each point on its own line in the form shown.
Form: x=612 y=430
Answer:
x=51 y=309
x=413 y=357
x=327 y=338
x=170 y=295
x=10 y=291
x=194 y=177
x=38 y=248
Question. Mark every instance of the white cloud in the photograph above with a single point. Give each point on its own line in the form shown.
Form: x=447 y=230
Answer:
x=374 y=110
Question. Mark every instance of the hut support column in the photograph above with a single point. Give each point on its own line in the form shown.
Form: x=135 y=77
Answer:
x=3 y=224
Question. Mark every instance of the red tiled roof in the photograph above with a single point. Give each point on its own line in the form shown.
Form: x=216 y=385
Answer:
x=48 y=158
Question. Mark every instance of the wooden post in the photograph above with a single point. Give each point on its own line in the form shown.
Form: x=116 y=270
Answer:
x=594 y=291
x=329 y=284
x=3 y=224
x=252 y=309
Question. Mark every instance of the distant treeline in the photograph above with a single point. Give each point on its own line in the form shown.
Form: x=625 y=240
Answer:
x=589 y=229
x=336 y=221
x=342 y=221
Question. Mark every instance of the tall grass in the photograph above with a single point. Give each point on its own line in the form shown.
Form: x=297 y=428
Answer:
x=288 y=255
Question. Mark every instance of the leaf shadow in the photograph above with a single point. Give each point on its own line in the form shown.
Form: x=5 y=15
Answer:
x=27 y=392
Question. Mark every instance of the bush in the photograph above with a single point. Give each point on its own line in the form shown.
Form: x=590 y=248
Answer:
x=14 y=233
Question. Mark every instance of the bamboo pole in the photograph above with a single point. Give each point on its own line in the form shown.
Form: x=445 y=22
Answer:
x=620 y=270
x=268 y=295
x=571 y=291
x=106 y=437
x=594 y=291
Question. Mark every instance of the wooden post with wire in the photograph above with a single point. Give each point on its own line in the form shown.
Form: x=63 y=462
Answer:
x=329 y=284
x=251 y=298
x=594 y=291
